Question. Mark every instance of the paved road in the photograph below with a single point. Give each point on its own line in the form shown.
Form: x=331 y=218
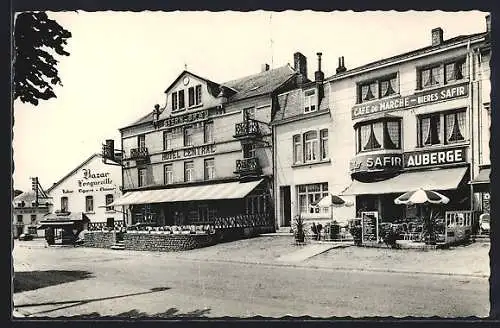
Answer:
x=71 y=282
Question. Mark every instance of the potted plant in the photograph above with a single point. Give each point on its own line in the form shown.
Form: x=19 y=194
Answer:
x=299 y=229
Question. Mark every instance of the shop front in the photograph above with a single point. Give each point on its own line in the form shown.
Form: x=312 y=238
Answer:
x=63 y=228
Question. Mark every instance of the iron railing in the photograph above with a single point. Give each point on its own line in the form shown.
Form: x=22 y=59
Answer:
x=139 y=153
x=248 y=166
x=248 y=128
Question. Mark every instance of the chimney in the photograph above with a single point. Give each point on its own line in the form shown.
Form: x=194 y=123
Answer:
x=300 y=65
x=319 y=76
x=488 y=23
x=341 y=68
x=264 y=67
x=437 y=36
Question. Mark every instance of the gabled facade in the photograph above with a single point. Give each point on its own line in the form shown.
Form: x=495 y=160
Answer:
x=208 y=134
x=27 y=210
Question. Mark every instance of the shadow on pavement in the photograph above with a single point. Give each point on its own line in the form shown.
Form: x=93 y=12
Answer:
x=30 y=280
x=135 y=314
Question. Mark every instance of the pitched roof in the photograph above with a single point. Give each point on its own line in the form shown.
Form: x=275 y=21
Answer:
x=406 y=55
x=245 y=87
x=73 y=171
x=28 y=197
x=188 y=72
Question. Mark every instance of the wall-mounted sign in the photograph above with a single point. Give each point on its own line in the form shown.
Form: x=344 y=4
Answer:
x=189 y=152
x=425 y=158
x=422 y=98
x=369 y=226
x=184 y=119
x=376 y=162
x=93 y=182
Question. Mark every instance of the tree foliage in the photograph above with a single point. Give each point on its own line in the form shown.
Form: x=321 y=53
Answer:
x=35 y=68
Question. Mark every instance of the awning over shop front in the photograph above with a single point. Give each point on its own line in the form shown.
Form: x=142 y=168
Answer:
x=482 y=177
x=441 y=179
x=228 y=190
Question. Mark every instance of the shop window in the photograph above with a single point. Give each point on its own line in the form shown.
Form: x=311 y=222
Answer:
x=249 y=150
x=109 y=199
x=378 y=88
x=188 y=171
x=310 y=101
x=89 y=204
x=324 y=144
x=64 y=204
x=374 y=135
x=255 y=204
x=188 y=136
x=141 y=141
x=209 y=165
x=191 y=96
x=141 y=177
x=197 y=98
x=311 y=146
x=167 y=141
x=309 y=195
x=454 y=127
x=175 y=104
x=168 y=174
x=454 y=71
x=208 y=132
x=181 y=99
x=297 y=149
x=429 y=77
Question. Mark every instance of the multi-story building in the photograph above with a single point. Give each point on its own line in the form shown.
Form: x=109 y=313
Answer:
x=207 y=153
x=416 y=120
x=28 y=209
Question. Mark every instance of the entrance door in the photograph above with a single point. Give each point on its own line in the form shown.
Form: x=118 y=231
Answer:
x=286 y=206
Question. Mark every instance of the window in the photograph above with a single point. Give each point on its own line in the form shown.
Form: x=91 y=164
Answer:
x=188 y=171
x=89 y=204
x=191 y=96
x=109 y=199
x=141 y=141
x=188 y=136
x=209 y=168
x=454 y=71
x=167 y=142
x=33 y=218
x=308 y=195
x=181 y=99
x=174 y=101
x=311 y=146
x=168 y=176
x=208 y=132
x=379 y=88
x=198 y=95
x=249 y=150
x=20 y=219
x=429 y=77
x=430 y=126
x=324 y=143
x=256 y=204
x=141 y=177
x=249 y=113
x=64 y=204
x=297 y=149
x=384 y=134
x=454 y=127
x=310 y=101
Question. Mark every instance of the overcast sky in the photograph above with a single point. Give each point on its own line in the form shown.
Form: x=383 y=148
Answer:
x=121 y=63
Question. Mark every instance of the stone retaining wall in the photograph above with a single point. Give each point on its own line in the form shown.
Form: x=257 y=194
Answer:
x=166 y=242
x=99 y=239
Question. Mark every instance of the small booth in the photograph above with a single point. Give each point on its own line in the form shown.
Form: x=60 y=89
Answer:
x=63 y=227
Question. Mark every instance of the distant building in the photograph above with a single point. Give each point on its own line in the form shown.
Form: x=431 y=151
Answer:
x=27 y=213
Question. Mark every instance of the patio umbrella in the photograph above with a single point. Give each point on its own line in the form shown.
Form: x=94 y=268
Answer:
x=421 y=196
x=330 y=200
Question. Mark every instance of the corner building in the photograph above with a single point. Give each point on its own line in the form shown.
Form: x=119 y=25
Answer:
x=207 y=154
x=418 y=119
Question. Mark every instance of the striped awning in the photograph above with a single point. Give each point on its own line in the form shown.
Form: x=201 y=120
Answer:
x=228 y=190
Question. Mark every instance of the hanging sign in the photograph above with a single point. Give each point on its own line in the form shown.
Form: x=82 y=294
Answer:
x=422 y=98
x=426 y=158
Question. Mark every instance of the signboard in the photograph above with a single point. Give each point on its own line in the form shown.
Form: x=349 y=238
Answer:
x=422 y=98
x=93 y=181
x=189 y=152
x=184 y=119
x=369 y=226
x=387 y=162
x=426 y=158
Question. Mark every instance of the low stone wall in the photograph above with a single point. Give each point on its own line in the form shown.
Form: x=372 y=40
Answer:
x=99 y=239
x=166 y=242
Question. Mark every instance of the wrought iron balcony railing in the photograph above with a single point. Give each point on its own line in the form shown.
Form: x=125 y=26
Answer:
x=248 y=167
x=248 y=128
x=139 y=153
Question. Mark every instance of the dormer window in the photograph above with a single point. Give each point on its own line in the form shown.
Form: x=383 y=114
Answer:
x=181 y=99
x=174 y=101
x=310 y=102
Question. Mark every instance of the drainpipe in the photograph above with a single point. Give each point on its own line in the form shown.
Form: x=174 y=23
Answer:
x=275 y=179
x=471 y=121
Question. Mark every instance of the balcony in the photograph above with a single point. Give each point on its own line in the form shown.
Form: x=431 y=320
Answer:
x=139 y=154
x=246 y=130
x=248 y=167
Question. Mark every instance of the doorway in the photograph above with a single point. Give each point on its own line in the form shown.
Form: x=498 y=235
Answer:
x=286 y=206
